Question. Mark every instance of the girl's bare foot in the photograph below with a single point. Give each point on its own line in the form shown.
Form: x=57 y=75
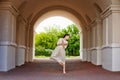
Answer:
x=64 y=72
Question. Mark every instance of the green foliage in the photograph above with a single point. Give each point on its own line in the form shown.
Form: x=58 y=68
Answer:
x=39 y=50
x=74 y=42
x=45 y=42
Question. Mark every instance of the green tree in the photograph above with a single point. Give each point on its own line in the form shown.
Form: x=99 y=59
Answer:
x=46 y=41
x=74 y=42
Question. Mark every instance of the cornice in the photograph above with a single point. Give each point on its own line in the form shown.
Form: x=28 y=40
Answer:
x=10 y=7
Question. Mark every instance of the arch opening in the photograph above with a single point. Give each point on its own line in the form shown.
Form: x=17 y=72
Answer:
x=60 y=13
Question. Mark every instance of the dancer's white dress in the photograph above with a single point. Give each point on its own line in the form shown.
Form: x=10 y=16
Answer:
x=59 y=52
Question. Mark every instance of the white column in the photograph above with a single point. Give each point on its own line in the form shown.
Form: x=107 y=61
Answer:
x=98 y=41
x=21 y=47
x=84 y=50
x=31 y=33
x=30 y=48
x=111 y=39
x=93 y=48
x=89 y=43
x=7 y=36
x=81 y=45
x=27 y=44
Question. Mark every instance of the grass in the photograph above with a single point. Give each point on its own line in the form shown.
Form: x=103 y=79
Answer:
x=72 y=56
x=49 y=56
x=41 y=56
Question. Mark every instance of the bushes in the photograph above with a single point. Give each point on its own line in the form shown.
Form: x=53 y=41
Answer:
x=40 y=51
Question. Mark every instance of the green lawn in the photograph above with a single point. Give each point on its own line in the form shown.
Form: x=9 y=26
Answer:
x=49 y=57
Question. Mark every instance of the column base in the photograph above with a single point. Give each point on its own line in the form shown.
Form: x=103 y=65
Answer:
x=88 y=55
x=7 y=57
x=30 y=54
x=20 y=55
x=27 y=55
x=83 y=55
x=111 y=58
x=96 y=56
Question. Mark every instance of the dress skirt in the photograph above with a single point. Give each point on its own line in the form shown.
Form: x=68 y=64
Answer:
x=58 y=54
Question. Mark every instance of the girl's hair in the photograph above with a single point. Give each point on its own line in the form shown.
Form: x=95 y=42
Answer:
x=66 y=35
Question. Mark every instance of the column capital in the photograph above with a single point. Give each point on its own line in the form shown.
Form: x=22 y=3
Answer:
x=109 y=10
x=115 y=8
x=10 y=7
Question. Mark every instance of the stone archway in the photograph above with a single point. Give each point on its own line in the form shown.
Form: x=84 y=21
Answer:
x=61 y=13
x=99 y=20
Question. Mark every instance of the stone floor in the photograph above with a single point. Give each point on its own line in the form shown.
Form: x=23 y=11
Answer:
x=46 y=69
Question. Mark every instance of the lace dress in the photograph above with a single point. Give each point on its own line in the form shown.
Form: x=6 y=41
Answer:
x=59 y=52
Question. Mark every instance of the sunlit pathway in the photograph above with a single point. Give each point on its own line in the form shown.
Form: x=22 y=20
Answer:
x=49 y=70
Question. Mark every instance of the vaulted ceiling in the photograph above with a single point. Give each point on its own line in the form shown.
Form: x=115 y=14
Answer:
x=87 y=9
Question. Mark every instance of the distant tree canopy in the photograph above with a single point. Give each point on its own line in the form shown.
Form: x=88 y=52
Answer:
x=46 y=41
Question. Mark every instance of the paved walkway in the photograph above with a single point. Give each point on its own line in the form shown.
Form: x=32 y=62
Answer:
x=50 y=70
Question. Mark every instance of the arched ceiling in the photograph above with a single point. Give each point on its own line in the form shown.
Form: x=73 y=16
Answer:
x=87 y=9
